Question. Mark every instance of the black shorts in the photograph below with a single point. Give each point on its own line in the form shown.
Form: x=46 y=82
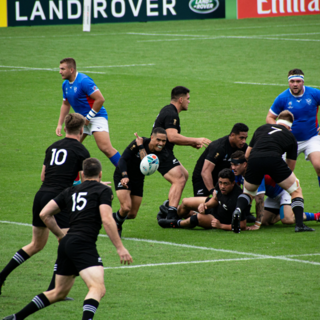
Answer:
x=275 y=167
x=76 y=254
x=168 y=163
x=40 y=200
x=135 y=186
x=199 y=189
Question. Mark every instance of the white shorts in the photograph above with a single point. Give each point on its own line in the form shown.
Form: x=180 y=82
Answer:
x=309 y=146
x=96 y=124
x=280 y=200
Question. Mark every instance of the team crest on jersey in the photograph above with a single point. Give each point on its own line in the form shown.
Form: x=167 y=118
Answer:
x=309 y=101
x=75 y=89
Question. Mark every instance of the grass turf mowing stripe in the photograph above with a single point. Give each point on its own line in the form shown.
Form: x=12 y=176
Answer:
x=257 y=256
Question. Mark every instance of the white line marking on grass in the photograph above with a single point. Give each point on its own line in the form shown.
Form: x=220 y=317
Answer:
x=269 y=84
x=259 y=37
x=181 y=262
x=86 y=71
x=121 y=66
x=258 y=256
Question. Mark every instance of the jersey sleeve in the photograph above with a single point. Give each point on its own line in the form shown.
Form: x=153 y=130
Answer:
x=106 y=197
x=292 y=153
x=130 y=151
x=215 y=154
x=171 y=121
x=63 y=92
x=277 y=106
x=88 y=86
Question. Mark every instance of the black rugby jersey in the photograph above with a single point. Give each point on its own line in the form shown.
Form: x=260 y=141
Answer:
x=63 y=161
x=130 y=159
x=273 y=140
x=82 y=204
x=168 y=118
x=218 y=152
x=227 y=204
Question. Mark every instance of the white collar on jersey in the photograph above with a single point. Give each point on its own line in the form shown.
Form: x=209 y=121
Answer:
x=74 y=79
x=304 y=90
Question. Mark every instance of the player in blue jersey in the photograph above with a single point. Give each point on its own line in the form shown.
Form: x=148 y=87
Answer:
x=277 y=205
x=80 y=92
x=304 y=103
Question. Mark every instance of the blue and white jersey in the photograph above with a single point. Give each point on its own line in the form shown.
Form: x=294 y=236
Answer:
x=240 y=179
x=78 y=92
x=271 y=189
x=304 y=108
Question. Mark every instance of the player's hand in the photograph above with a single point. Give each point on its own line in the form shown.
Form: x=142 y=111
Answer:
x=252 y=228
x=106 y=183
x=139 y=140
x=58 y=131
x=124 y=182
x=86 y=122
x=215 y=223
x=202 y=208
x=202 y=142
x=125 y=256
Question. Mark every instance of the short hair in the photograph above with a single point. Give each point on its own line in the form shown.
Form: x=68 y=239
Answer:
x=179 y=91
x=239 y=154
x=239 y=127
x=227 y=174
x=286 y=115
x=74 y=122
x=295 y=71
x=158 y=130
x=91 y=167
x=70 y=62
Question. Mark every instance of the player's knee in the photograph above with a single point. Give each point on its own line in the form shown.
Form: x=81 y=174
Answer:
x=194 y=221
x=37 y=246
x=125 y=208
x=102 y=291
x=294 y=188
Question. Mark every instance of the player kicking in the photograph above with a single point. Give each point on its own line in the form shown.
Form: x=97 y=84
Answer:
x=89 y=205
x=264 y=155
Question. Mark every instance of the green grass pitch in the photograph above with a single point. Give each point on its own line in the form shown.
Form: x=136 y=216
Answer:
x=235 y=69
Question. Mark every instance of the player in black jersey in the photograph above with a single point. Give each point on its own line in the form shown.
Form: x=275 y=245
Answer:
x=88 y=206
x=63 y=161
x=215 y=212
x=168 y=119
x=129 y=180
x=217 y=157
x=264 y=155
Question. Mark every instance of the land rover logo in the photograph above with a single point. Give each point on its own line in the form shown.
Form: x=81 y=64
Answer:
x=203 y=6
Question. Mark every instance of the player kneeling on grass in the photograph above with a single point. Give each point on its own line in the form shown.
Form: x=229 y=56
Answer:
x=277 y=206
x=89 y=205
x=215 y=212
x=129 y=180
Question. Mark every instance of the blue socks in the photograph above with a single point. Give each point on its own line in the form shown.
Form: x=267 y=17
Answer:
x=115 y=158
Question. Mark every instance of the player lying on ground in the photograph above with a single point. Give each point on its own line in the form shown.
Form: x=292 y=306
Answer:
x=89 y=205
x=215 y=212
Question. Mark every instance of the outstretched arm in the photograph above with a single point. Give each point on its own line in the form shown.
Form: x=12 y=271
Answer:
x=271 y=118
x=179 y=139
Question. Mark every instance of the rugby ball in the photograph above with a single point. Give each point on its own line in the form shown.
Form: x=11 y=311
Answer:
x=149 y=164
